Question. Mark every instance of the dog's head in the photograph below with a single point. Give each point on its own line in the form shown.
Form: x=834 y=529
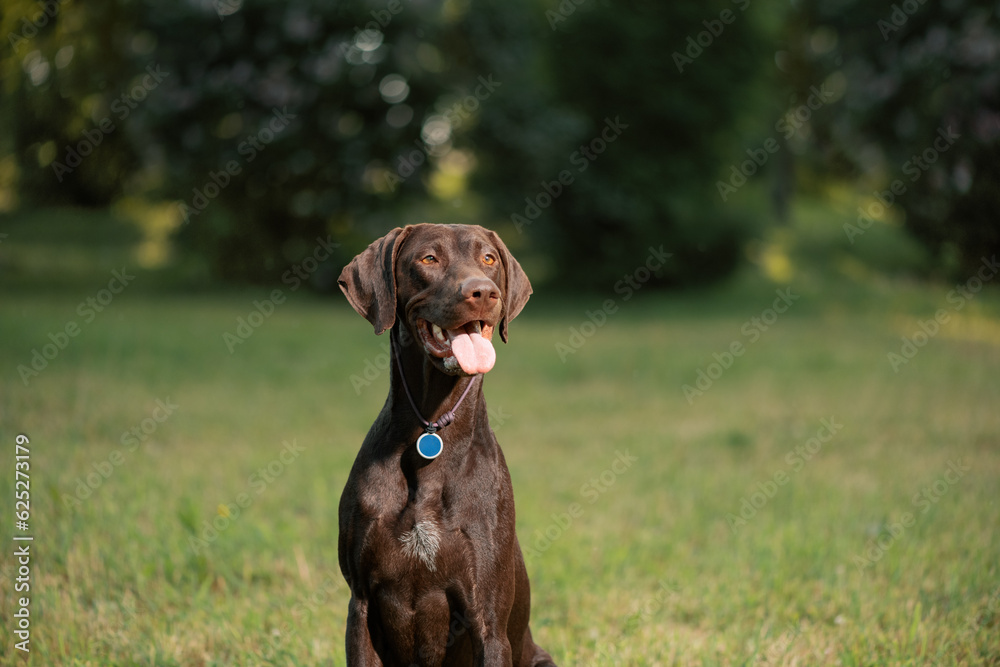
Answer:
x=452 y=286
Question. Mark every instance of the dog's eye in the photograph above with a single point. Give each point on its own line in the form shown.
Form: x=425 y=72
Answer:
x=489 y=259
x=429 y=259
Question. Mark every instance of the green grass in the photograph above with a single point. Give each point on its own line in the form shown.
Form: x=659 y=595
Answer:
x=648 y=570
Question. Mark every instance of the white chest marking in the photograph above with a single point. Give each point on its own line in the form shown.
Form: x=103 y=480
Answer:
x=422 y=542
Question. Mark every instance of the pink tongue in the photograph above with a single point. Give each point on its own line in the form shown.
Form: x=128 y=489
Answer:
x=474 y=353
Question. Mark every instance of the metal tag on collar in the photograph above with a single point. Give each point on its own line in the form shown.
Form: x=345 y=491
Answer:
x=430 y=445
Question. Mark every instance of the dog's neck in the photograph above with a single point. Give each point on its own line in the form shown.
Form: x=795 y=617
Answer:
x=434 y=393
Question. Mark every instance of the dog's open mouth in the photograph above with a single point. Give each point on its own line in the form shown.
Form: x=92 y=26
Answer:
x=468 y=346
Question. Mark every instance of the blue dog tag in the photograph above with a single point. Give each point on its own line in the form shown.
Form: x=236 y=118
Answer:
x=429 y=445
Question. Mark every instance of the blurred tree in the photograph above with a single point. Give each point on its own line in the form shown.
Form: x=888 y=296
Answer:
x=921 y=111
x=64 y=67
x=286 y=122
x=273 y=124
x=595 y=128
x=615 y=145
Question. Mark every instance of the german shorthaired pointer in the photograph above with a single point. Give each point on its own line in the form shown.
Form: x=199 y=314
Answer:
x=427 y=542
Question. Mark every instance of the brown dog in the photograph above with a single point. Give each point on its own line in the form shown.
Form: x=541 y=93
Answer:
x=427 y=540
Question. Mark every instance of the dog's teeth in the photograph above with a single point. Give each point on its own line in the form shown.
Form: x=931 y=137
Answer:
x=436 y=330
x=478 y=326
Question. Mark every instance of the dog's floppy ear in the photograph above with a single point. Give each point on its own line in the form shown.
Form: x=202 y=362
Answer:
x=369 y=280
x=516 y=288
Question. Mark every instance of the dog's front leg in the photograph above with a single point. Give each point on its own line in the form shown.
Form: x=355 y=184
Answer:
x=493 y=651
x=360 y=652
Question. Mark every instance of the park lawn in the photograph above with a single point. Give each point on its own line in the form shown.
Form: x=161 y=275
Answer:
x=813 y=506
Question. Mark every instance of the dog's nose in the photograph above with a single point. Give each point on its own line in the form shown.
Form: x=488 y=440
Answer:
x=480 y=291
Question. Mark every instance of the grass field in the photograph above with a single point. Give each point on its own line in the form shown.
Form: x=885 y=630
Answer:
x=813 y=506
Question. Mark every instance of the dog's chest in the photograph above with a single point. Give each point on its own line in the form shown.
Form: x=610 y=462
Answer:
x=410 y=531
x=422 y=542
x=428 y=521
x=403 y=548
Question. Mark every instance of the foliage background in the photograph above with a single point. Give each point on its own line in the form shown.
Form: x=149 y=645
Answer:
x=699 y=87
